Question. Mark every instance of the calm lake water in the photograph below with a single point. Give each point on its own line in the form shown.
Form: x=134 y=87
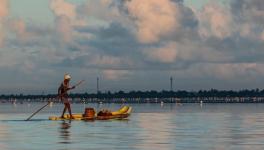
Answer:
x=150 y=127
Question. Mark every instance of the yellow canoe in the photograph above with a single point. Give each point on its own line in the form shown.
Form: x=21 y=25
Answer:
x=122 y=113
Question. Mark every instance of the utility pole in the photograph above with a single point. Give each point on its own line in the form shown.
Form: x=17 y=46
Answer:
x=97 y=89
x=171 y=88
x=171 y=84
x=97 y=85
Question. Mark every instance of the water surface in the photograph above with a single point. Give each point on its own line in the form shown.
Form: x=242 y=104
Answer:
x=150 y=127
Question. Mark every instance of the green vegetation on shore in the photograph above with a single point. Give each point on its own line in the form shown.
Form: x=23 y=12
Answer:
x=149 y=94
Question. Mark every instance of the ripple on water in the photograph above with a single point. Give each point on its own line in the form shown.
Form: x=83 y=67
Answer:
x=235 y=127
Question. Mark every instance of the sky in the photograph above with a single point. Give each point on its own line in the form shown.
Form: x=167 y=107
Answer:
x=131 y=44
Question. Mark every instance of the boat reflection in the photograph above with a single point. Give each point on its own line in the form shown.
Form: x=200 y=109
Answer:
x=65 y=134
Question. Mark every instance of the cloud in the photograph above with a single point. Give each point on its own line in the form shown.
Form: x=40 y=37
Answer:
x=219 y=42
x=105 y=60
x=103 y=10
x=165 y=54
x=219 y=75
x=215 y=20
x=4 y=10
x=13 y=58
x=154 y=19
x=262 y=36
x=232 y=70
x=19 y=28
x=1 y=35
x=249 y=17
x=65 y=13
x=248 y=10
x=63 y=8
x=64 y=28
x=114 y=39
x=66 y=19
x=115 y=74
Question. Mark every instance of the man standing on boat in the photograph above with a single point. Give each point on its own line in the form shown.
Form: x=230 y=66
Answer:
x=63 y=95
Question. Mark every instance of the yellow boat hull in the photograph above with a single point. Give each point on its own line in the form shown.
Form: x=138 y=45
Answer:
x=122 y=113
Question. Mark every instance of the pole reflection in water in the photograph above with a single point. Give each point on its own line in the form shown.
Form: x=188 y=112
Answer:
x=65 y=134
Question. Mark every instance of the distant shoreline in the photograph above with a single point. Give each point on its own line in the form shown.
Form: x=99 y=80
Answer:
x=202 y=96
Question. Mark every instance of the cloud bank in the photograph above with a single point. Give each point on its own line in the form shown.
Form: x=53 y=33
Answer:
x=216 y=46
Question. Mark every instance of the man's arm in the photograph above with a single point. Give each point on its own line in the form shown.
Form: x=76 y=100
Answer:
x=70 y=88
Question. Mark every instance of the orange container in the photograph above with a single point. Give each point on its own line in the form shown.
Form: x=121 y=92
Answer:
x=89 y=113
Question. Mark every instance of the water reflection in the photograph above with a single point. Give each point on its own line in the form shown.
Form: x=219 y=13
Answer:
x=247 y=131
x=155 y=131
x=3 y=135
x=65 y=134
x=214 y=127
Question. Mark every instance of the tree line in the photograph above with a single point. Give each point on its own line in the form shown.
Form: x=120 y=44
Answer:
x=149 y=94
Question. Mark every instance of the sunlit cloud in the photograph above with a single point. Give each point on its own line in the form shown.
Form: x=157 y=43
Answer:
x=4 y=9
x=114 y=39
x=164 y=54
x=215 y=20
x=153 y=19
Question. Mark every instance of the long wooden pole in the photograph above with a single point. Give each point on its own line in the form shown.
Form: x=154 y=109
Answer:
x=49 y=102
x=37 y=111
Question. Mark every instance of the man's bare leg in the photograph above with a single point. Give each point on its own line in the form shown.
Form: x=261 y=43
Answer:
x=69 y=109
x=64 y=110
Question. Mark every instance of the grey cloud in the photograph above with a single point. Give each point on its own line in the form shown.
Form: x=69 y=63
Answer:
x=248 y=10
x=114 y=39
x=249 y=13
x=198 y=62
x=189 y=19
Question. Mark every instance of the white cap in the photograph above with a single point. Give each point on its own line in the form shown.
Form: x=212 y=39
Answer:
x=67 y=77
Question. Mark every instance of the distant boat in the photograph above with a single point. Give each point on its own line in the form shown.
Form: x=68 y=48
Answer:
x=14 y=101
x=50 y=104
x=201 y=103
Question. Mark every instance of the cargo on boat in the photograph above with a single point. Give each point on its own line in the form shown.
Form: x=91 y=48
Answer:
x=90 y=114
